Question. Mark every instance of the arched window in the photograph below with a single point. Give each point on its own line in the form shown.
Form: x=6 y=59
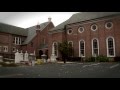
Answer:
x=95 y=47
x=82 y=48
x=70 y=43
x=110 y=47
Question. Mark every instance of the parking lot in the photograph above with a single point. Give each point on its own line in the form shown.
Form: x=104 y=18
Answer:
x=61 y=70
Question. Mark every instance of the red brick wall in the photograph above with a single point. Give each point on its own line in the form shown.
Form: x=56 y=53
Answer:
x=56 y=37
x=38 y=39
x=102 y=33
x=7 y=40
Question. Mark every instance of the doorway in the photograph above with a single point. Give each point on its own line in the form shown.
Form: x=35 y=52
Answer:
x=40 y=53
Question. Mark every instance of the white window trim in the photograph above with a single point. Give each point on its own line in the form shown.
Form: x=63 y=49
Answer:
x=92 y=46
x=71 y=42
x=113 y=46
x=68 y=32
x=79 y=48
x=108 y=27
x=18 y=40
x=6 y=49
x=79 y=29
x=96 y=27
x=54 y=48
x=15 y=40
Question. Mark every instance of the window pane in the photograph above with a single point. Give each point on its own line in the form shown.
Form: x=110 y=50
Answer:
x=110 y=47
x=82 y=48
x=95 y=47
x=110 y=43
x=82 y=45
x=96 y=51
x=82 y=52
x=111 y=52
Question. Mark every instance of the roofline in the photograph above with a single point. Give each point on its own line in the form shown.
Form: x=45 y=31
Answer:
x=36 y=34
x=56 y=31
x=95 y=20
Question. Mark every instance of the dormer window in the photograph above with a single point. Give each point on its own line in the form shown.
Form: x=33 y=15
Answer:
x=17 y=40
x=69 y=31
x=81 y=29
x=108 y=25
x=94 y=27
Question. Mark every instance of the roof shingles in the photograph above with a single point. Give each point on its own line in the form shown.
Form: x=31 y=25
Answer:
x=32 y=32
x=83 y=16
x=13 y=29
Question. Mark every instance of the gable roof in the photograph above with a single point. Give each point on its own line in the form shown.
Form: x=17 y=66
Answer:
x=12 y=29
x=84 y=16
x=32 y=32
x=60 y=26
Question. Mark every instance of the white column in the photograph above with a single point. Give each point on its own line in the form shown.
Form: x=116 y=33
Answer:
x=15 y=40
x=18 y=40
x=53 y=49
x=53 y=57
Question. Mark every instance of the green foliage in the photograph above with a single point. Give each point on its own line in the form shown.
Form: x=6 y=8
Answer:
x=100 y=58
x=65 y=49
x=39 y=61
x=90 y=59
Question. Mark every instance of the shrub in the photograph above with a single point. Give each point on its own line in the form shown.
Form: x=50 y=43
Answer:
x=98 y=58
x=39 y=61
x=102 y=58
x=90 y=59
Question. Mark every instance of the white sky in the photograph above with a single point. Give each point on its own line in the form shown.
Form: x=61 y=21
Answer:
x=28 y=19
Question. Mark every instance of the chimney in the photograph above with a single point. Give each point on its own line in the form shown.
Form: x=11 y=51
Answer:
x=38 y=28
x=49 y=19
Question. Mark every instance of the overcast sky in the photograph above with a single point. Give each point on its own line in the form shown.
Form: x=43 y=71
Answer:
x=28 y=19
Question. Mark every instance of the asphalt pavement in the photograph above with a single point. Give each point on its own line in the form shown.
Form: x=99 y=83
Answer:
x=61 y=70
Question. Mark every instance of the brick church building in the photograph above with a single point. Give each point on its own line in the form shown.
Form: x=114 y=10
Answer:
x=32 y=39
x=89 y=33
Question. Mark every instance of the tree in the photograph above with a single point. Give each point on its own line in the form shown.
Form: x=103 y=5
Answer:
x=65 y=50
